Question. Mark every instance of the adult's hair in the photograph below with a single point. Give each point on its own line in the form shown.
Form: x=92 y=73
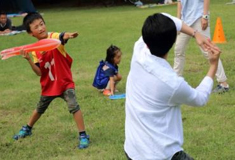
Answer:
x=110 y=54
x=29 y=18
x=159 y=33
x=3 y=13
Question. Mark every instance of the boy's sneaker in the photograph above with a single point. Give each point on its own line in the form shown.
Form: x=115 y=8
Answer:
x=220 y=89
x=25 y=131
x=84 y=141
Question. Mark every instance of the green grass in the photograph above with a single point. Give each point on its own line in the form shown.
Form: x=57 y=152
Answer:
x=208 y=131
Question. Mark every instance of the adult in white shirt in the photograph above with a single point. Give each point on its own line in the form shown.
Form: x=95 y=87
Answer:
x=154 y=92
x=195 y=13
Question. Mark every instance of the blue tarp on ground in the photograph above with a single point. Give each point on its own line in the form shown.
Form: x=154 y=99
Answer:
x=17 y=6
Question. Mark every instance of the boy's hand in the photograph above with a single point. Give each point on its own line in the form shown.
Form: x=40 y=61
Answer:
x=70 y=35
x=25 y=54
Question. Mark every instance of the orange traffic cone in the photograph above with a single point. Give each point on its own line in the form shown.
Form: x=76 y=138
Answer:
x=219 y=33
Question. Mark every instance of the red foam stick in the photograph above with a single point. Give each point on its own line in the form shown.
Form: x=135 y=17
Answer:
x=41 y=45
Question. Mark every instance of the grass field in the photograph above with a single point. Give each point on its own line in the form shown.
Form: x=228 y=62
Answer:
x=208 y=131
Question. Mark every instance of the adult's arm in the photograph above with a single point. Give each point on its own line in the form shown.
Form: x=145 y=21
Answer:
x=201 y=40
x=185 y=94
x=205 y=21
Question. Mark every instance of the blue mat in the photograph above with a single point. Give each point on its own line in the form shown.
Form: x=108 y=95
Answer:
x=118 y=96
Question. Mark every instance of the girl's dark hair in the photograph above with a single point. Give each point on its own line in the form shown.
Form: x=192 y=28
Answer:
x=111 y=52
x=159 y=33
x=29 y=18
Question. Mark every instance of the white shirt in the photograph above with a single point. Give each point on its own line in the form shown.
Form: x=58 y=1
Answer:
x=191 y=10
x=154 y=93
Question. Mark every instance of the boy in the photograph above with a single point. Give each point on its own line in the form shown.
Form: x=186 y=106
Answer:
x=5 y=23
x=54 y=67
x=154 y=92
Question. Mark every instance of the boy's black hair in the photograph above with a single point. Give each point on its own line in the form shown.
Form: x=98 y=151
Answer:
x=110 y=54
x=29 y=18
x=3 y=13
x=159 y=33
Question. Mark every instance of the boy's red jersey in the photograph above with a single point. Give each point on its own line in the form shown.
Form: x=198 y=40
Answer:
x=56 y=72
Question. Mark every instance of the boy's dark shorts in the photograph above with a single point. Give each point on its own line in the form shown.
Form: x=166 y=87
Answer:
x=68 y=96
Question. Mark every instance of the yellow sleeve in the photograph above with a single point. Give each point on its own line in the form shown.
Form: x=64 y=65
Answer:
x=61 y=48
x=55 y=35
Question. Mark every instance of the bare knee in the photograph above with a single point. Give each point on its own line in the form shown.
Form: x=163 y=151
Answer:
x=118 y=77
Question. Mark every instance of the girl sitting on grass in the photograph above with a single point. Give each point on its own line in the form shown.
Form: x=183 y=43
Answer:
x=107 y=75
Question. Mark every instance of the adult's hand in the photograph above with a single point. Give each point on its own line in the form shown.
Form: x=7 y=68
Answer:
x=205 y=43
x=204 y=23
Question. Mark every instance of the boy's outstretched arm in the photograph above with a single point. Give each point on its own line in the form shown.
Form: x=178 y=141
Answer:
x=34 y=67
x=68 y=35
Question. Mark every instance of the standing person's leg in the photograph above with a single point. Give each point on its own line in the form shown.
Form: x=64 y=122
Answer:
x=34 y=118
x=42 y=105
x=70 y=97
x=78 y=118
x=180 y=47
x=41 y=108
x=220 y=73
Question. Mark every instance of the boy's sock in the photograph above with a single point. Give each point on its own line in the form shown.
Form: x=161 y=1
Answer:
x=83 y=133
x=29 y=127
